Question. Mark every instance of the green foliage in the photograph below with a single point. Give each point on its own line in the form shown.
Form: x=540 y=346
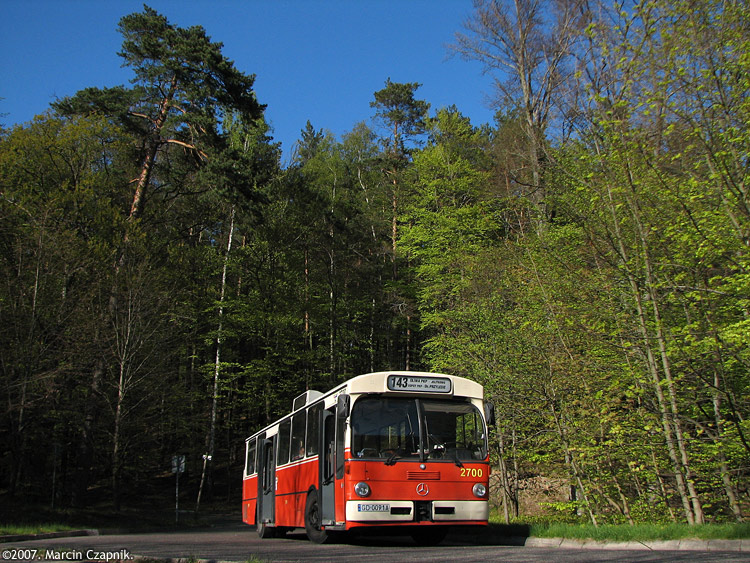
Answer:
x=446 y=219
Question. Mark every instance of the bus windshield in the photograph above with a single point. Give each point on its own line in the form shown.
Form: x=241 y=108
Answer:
x=401 y=428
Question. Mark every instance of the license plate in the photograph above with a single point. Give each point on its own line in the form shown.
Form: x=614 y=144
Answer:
x=373 y=508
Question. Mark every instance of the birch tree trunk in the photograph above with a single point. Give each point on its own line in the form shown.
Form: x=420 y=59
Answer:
x=211 y=438
x=671 y=440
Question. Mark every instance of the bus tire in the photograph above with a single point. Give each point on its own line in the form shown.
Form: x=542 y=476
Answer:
x=312 y=520
x=264 y=531
x=429 y=536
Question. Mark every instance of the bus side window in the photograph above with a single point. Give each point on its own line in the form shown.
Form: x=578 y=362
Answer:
x=284 y=431
x=313 y=428
x=250 y=463
x=298 y=435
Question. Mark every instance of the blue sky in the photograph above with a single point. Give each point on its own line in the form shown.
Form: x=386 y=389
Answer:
x=318 y=59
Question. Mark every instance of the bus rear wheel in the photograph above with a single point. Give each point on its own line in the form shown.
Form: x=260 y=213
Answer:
x=264 y=531
x=313 y=520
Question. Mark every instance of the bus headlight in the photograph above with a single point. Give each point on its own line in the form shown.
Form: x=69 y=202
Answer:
x=362 y=489
x=479 y=490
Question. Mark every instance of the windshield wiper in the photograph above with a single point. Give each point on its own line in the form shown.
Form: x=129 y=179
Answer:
x=456 y=460
x=392 y=459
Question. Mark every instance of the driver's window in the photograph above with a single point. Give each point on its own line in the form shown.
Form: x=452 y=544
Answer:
x=383 y=428
x=454 y=430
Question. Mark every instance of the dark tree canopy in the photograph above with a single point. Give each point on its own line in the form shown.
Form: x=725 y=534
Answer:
x=182 y=89
x=396 y=106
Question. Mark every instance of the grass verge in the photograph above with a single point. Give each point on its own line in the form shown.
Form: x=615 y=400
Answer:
x=641 y=532
x=26 y=529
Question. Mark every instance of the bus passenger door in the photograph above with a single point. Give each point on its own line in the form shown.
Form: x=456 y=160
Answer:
x=328 y=469
x=267 y=479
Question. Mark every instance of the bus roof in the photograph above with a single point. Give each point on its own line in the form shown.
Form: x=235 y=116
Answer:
x=415 y=382
x=409 y=383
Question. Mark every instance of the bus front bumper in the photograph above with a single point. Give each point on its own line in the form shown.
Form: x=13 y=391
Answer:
x=411 y=511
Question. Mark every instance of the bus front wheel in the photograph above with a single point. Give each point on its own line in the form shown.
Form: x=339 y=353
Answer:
x=312 y=519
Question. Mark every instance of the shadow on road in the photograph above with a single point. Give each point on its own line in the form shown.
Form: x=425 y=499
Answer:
x=494 y=534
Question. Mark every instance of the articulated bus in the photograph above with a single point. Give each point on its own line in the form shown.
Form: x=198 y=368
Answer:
x=400 y=450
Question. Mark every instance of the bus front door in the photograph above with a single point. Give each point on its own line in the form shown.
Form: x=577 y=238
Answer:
x=266 y=483
x=328 y=470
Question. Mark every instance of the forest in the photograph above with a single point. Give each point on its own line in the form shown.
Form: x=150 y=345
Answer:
x=168 y=286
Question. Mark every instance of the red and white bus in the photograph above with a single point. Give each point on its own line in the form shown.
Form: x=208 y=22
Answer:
x=387 y=449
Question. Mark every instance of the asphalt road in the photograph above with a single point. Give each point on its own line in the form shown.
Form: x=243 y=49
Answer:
x=238 y=542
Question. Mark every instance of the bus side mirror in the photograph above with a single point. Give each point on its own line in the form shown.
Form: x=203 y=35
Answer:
x=342 y=406
x=489 y=414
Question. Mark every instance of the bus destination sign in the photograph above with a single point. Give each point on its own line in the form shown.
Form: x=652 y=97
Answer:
x=417 y=384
